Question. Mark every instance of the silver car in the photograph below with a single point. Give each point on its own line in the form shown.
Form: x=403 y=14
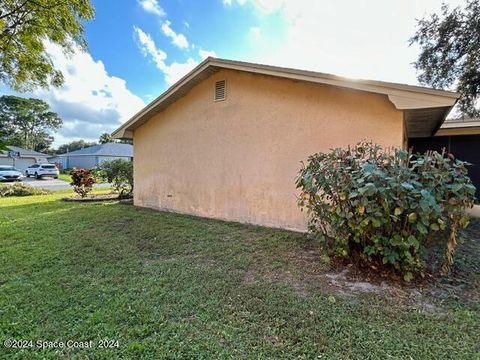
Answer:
x=9 y=173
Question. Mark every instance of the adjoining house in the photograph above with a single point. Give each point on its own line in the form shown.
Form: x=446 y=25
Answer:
x=460 y=137
x=227 y=140
x=21 y=158
x=94 y=156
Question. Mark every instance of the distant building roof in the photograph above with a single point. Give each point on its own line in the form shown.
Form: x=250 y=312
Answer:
x=108 y=149
x=461 y=122
x=23 y=152
x=462 y=126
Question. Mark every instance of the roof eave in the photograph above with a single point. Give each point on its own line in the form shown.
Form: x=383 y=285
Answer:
x=403 y=97
x=123 y=131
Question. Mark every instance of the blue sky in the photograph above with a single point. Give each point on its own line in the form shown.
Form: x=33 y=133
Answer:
x=211 y=26
x=138 y=48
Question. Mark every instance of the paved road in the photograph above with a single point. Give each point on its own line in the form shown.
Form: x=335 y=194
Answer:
x=54 y=184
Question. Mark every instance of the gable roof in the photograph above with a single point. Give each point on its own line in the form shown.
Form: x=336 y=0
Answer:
x=23 y=152
x=108 y=149
x=425 y=108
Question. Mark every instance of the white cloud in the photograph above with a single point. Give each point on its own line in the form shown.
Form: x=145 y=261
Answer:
x=148 y=47
x=230 y=2
x=175 y=71
x=255 y=31
x=172 y=72
x=91 y=101
x=205 y=54
x=359 y=39
x=264 y=6
x=269 y=6
x=178 y=39
x=186 y=24
x=152 y=7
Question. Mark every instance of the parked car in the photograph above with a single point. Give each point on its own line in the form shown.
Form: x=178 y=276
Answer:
x=40 y=170
x=9 y=173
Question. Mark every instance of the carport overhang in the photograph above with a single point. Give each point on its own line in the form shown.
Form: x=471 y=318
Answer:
x=424 y=109
x=457 y=127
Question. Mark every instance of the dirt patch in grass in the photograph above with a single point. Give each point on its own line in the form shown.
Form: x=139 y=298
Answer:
x=90 y=198
x=304 y=271
x=344 y=284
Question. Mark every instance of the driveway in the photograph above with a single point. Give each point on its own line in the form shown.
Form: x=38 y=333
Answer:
x=55 y=184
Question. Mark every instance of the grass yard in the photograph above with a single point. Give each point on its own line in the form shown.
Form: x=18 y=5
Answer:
x=174 y=286
x=65 y=177
x=68 y=178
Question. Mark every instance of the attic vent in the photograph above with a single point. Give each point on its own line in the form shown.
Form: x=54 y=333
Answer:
x=220 y=90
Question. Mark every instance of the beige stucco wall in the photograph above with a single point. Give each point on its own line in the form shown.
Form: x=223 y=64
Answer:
x=237 y=159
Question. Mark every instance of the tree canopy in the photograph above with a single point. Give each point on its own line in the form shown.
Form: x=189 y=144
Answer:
x=105 y=138
x=450 y=53
x=27 y=122
x=25 y=27
x=74 y=145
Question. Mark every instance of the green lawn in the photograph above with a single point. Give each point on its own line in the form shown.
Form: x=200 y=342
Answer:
x=174 y=286
x=65 y=177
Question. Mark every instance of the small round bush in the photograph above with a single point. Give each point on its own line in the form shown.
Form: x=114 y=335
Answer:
x=119 y=172
x=82 y=181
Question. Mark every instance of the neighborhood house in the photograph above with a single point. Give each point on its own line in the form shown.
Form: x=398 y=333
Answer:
x=228 y=139
x=94 y=156
x=21 y=158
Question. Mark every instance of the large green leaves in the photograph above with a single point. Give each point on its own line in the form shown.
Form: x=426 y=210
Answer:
x=384 y=204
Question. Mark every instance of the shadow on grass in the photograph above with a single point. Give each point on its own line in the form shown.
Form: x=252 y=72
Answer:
x=163 y=283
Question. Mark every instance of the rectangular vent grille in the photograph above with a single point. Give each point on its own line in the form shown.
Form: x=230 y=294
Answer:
x=220 y=90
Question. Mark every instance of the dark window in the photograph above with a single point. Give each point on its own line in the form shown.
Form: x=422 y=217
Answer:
x=463 y=147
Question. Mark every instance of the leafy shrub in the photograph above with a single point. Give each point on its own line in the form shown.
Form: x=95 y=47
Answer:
x=99 y=175
x=82 y=181
x=385 y=205
x=21 y=189
x=119 y=172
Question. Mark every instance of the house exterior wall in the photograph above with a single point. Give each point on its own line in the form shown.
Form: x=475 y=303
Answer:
x=87 y=161
x=237 y=159
x=84 y=161
x=62 y=160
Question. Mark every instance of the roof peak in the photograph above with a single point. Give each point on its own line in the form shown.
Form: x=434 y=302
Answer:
x=404 y=97
x=23 y=150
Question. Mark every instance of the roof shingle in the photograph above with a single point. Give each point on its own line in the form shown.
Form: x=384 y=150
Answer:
x=23 y=152
x=108 y=149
